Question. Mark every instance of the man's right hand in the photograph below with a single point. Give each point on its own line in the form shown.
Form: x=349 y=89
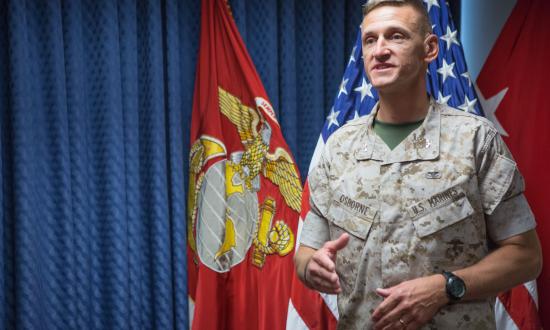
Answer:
x=320 y=271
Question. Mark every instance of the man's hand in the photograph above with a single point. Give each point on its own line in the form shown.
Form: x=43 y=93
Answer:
x=410 y=304
x=320 y=271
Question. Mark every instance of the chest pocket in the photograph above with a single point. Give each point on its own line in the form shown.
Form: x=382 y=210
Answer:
x=440 y=210
x=356 y=223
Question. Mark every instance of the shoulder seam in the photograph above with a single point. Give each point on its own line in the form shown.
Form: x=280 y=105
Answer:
x=492 y=134
x=483 y=120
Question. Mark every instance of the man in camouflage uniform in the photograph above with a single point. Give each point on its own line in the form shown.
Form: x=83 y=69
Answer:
x=426 y=234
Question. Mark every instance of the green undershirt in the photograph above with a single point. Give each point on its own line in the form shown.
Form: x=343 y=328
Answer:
x=393 y=134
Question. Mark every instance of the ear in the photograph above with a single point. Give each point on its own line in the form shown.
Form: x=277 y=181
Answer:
x=431 y=48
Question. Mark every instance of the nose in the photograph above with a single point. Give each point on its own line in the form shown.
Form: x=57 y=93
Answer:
x=381 y=51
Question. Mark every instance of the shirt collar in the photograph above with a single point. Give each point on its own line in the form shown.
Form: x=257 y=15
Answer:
x=422 y=143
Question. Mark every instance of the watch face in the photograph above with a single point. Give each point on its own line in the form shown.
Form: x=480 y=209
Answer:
x=456 y=287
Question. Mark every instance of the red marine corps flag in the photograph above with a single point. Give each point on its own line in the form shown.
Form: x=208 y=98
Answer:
x=244 y=193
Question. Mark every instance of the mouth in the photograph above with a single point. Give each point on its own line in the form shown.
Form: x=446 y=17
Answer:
x=382 y=67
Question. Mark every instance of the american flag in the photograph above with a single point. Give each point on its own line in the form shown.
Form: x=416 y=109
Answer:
x=449 y=82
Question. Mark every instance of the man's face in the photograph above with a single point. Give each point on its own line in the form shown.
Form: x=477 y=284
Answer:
x=394 y=51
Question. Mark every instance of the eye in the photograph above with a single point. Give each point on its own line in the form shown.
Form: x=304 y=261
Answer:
x=369 y=41
x=397 y=36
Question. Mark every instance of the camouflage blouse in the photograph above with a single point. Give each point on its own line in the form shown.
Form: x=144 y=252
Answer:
x=433 y=203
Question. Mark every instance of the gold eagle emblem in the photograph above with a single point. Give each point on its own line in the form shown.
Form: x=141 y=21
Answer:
x=255 y=134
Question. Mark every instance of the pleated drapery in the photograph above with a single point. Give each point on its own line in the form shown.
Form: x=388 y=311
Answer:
x=94 y=103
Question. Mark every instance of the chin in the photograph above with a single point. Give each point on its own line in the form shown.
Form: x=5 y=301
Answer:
x=382 y=84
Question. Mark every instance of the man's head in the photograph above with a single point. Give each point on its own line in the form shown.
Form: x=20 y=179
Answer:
x=425 y=25
x=398 y=43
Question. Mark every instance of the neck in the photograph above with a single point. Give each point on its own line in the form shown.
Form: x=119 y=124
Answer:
x=404 y=106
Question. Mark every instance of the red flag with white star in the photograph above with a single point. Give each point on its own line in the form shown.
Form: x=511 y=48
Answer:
x=513 y=83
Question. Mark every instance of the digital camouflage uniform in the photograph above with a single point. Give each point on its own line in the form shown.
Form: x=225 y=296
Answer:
x=431 y=204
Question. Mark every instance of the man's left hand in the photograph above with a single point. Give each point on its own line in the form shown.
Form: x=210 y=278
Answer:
x=410 y=304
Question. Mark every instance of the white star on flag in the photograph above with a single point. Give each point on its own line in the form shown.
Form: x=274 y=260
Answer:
x=490 y=107
x=442 y=99
x=343 y=88
x=356 y=115
x=467 y=76
x=450 y=38
x=468 y=106
x=431 y=3
x=333 y=118
x=365 y=89
x=352 y=57
x=446 y=70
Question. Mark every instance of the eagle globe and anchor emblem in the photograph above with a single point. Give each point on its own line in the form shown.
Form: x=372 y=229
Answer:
x=225 y=216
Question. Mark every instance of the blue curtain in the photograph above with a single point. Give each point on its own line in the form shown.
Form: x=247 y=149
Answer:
x=95 y=101
x=94 y=108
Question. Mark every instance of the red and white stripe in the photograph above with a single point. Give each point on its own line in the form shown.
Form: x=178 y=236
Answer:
x=518 y=308
x=308 y=309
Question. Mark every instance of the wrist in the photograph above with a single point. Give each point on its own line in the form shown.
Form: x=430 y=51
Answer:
x=442 y=297
x=455 y=288
x=304 y=274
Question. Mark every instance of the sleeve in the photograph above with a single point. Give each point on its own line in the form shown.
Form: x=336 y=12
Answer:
x=316 y=229
x=501 y=188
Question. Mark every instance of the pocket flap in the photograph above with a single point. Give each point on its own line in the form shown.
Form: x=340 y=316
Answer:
x=440 y=210
x=355 y=223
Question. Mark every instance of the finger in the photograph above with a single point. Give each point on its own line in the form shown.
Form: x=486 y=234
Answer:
x=385 y=307
x=413 y=325
x=338 y=244
x=328 y=289
x=392 y=326
x=395 y=325
x=318 y=271
x=383 y=292
x=393 y=317
x=323 y=285
x=323 y=259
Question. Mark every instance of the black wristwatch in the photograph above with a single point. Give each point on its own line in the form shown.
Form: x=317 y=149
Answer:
x=455 y=286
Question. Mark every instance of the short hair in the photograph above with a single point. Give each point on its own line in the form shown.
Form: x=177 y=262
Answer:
x=425 y=25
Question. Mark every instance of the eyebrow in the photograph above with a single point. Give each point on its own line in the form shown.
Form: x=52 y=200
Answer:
x=391 y=29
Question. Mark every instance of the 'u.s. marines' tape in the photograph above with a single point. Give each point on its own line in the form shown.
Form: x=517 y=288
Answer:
x=436 y=201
